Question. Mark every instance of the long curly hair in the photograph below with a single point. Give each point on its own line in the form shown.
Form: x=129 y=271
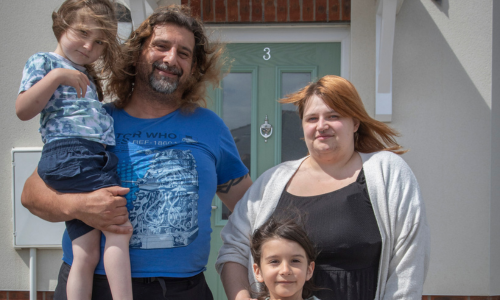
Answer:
x=207 y=58
x=341 y=95
x=72 y=14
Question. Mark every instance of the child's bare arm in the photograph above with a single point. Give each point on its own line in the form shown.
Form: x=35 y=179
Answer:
x=32 y=101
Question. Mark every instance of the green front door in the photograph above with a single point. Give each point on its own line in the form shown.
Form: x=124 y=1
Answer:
x=260 y=75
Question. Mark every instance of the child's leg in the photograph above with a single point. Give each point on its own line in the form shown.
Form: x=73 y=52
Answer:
x=86 y=254
x=117 y=264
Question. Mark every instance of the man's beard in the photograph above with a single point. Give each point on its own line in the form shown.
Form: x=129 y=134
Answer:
x=164 y=85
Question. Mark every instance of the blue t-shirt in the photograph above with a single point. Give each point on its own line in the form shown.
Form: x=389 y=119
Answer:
x=65 y=115
x=172 y=166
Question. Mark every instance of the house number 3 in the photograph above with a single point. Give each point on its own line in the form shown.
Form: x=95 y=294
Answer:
x=267 y=56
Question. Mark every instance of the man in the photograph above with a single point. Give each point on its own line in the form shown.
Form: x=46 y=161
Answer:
x=173 y=155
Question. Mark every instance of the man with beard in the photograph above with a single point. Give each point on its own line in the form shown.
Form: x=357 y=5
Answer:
x=174 y=156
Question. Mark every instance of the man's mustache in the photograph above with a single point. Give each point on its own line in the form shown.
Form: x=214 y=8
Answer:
x=166 y=68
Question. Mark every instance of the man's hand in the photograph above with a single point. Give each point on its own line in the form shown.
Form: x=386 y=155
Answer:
x=104 y=209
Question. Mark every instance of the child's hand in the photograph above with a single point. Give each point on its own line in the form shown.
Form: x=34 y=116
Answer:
x=73 y=78
x=31 y=102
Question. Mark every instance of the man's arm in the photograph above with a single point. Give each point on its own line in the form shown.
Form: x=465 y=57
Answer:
x=233 y=190
x=104 y=209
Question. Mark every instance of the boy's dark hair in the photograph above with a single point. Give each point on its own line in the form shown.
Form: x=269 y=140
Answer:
x=288 y=226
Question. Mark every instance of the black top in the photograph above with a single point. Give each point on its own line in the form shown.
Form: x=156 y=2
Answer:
x=342 y=226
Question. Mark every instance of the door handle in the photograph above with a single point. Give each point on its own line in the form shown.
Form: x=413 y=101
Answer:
x=266 y=129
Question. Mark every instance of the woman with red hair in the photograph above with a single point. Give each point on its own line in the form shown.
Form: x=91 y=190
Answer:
x=365 y=212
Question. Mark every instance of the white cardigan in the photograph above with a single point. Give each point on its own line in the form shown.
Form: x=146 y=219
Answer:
x=397 y=205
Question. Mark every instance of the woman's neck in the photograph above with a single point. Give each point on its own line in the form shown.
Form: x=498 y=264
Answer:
x=336 y=166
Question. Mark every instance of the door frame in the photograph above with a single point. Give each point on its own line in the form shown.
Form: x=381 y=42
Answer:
x=288 y=34
x=250 y=33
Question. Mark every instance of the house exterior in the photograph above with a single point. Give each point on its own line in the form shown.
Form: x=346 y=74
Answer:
x=429 y=67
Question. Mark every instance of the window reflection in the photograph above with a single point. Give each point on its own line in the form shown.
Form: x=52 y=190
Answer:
x=292 y=135
x=124 y=18
x=237 y=114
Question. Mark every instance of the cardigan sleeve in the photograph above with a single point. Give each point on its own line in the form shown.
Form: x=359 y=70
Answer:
x=409 y=238
x=238 y=230
x=256 y=206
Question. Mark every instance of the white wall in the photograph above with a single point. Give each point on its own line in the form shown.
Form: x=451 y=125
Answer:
x=495 y=156
x=442 y=99
x=26 y=29
x=441 y=106
x=363 y=51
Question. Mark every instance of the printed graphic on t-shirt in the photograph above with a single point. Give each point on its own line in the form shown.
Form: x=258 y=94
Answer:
x=164 y=198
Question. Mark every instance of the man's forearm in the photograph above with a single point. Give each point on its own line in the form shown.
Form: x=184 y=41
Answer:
x=45 y=202
x=233 y=190
x=103 y=209
x=234 y=278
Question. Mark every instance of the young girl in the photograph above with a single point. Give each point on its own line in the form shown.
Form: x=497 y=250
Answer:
x=284 y=260
x=64 y=87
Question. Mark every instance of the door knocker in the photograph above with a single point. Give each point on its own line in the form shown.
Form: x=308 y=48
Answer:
x=266 y=129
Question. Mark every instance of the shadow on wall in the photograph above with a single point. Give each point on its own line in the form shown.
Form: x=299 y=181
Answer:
x=445 y=122
x=443 y=6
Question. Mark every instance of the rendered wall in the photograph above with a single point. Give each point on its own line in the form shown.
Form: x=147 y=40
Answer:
x=495 y=156
x=26 y=29
x=442 y=107
x=363 y=51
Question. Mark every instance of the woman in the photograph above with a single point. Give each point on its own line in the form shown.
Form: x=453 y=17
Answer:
x=365 y=212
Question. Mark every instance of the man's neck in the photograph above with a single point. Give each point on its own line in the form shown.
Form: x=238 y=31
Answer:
x=144 y=105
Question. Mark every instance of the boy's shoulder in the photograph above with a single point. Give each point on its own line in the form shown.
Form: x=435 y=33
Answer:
x=42 y=57
x=51 y=60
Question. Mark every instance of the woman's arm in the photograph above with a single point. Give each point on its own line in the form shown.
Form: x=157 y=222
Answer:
x=104 y=209
x=405 y=256
x=234 y=255
x=234 y=278
x=408 y=265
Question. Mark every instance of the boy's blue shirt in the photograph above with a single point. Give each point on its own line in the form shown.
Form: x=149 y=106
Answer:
x=66 y=115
